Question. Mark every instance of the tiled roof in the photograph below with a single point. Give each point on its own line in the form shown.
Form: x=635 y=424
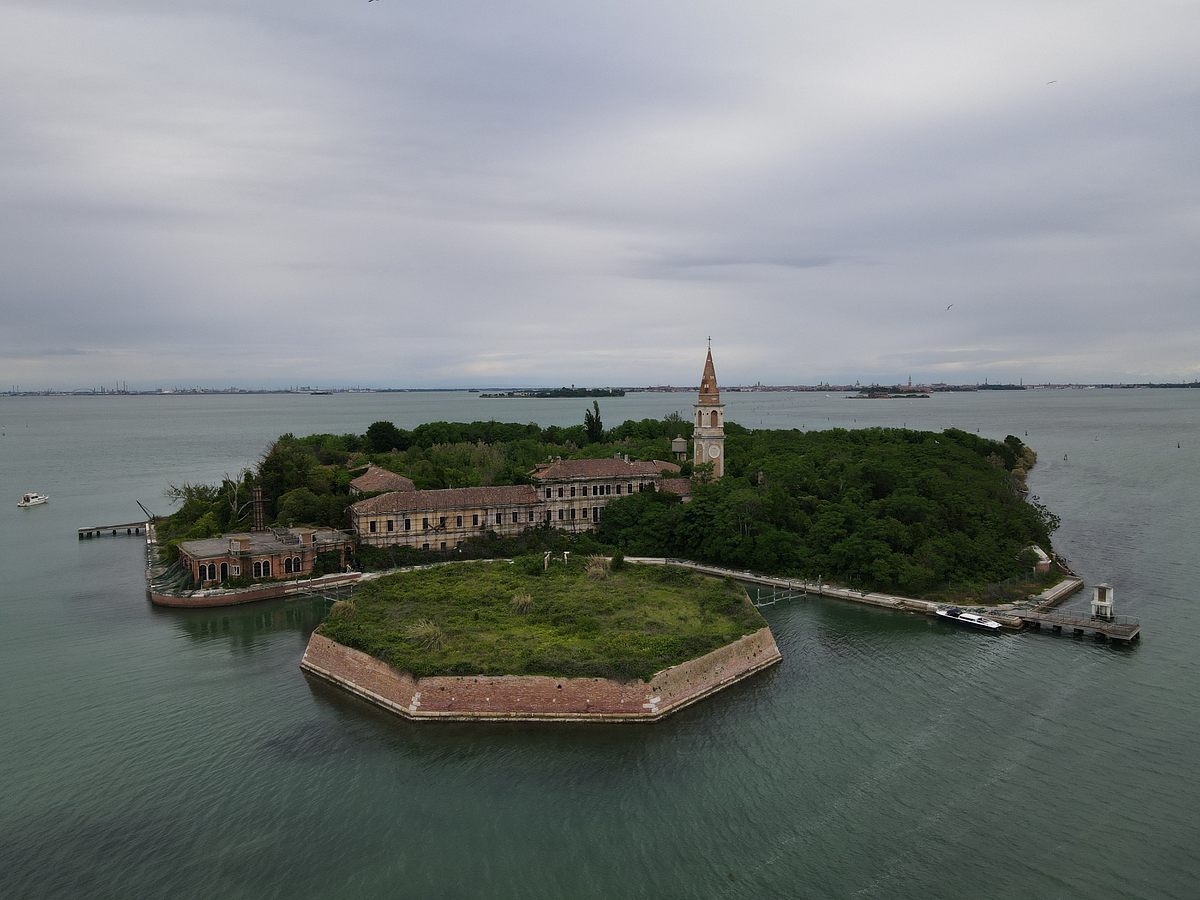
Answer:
x=600 y=468
x=377 y=479
x=449 y=498
x=681 y=486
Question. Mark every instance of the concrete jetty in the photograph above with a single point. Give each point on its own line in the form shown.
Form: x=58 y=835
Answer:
x=1118 y=628
x=821 y=589
x=1039 y=617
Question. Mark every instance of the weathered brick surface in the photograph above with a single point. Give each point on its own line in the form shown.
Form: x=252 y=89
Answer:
x=537 y=697
x=234 y=596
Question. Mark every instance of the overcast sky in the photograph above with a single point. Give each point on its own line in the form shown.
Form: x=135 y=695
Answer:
x=406 y=193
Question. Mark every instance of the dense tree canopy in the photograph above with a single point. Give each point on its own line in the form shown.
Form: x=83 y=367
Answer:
x=884 y=508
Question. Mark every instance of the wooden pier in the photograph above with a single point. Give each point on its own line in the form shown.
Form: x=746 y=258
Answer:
x=121 y=530
x=1118 y=628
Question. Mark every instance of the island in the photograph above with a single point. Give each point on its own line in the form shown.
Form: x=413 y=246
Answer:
x=554 y=393
x=892 y=517
x=889 y=395
x=537 y=638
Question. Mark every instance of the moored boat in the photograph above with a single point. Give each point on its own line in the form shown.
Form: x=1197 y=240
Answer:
x=955 y=614
x=32 y=498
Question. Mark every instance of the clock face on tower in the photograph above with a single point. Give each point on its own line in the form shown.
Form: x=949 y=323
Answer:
x=714 y=451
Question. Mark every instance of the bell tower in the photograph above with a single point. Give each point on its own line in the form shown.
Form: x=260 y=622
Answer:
x=709 y=419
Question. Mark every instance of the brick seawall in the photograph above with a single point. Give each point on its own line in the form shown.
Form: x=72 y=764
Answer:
x=538 y=697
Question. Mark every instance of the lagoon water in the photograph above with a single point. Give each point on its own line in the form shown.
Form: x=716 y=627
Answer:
x=165 y=753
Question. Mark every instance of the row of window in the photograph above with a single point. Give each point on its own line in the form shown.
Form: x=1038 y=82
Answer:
x=262 y=569
x=390 y=524
x=588 y=513
x=597 y=490
x=582 y=513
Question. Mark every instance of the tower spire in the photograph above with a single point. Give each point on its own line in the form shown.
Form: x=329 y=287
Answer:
x=710 y=394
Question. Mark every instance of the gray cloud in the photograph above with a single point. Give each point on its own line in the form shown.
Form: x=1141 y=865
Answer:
x=397 y=194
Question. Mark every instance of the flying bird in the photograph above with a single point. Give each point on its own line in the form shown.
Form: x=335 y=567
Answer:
x=1055 y=81
x=949 y=306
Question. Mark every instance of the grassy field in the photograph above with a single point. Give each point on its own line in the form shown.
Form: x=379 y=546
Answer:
x=580 y=619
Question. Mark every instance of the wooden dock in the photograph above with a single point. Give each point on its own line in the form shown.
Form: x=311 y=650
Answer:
x=121 y=530
x=1118 y=628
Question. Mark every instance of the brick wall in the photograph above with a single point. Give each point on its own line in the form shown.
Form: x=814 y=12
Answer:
x=538 y=697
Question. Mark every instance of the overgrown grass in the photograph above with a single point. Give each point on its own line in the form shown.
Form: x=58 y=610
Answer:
x=464 y=619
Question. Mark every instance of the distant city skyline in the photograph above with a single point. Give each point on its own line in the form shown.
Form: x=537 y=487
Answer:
x=102 y=390
x=536 y=194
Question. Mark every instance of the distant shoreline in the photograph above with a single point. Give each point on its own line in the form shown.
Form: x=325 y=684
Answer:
x=536 y=393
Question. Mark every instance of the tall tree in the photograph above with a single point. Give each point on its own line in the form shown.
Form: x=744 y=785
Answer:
x=592 y=423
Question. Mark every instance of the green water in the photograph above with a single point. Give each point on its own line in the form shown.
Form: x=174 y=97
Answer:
x=160 y=753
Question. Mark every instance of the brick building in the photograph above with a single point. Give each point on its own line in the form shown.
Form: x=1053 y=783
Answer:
x=574 y=491
x=439 y=520
x=567 y=494
x=260 y=555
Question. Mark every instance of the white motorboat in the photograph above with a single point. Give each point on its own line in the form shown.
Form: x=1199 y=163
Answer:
x=955 y=614
x=33 y=498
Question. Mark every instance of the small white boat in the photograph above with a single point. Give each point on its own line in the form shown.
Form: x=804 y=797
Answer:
x=33 y=498
x=955 y=614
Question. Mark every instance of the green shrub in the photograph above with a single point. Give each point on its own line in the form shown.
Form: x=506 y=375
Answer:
x=425 y=634
x=597 y=567
x=521 y=603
